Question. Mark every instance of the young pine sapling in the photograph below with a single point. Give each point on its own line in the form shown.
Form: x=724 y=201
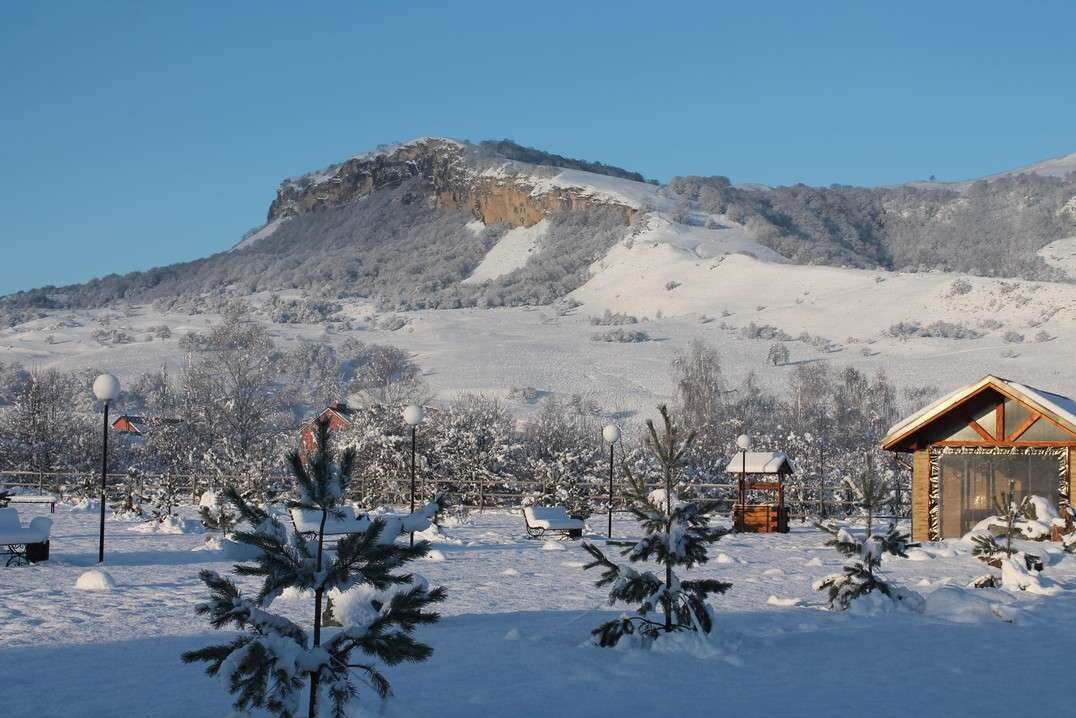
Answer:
x=268 y=664
x=677 y=534
x=859 y=576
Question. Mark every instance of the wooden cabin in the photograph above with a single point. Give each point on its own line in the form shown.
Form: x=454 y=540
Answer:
x=760 y=473
x=339 y=415
x=968 y=445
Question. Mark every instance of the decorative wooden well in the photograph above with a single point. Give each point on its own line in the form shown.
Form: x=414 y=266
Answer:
x=760 y=500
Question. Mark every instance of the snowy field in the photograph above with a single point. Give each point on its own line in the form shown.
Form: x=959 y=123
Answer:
x=515 y=637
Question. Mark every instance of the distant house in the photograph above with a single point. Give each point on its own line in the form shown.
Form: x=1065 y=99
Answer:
x=340 y=416
x=137 y=426
x=127 y=424
x=967 y=446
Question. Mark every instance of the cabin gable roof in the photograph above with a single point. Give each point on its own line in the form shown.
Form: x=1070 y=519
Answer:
x=1056 y=409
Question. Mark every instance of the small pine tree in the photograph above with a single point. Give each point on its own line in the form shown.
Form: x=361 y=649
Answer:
x=164 y=499
x=859 y=576
x=218 y=515
x=268 y=664
x=677 y=534
x=1009 y=511
x=869 y=489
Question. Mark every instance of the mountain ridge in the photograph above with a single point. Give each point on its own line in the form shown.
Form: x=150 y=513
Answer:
x=338 y=231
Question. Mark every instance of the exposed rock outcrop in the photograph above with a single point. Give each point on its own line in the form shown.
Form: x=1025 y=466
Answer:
x=455 y=176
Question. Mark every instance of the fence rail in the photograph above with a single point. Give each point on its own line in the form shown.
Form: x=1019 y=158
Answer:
x=479 y=493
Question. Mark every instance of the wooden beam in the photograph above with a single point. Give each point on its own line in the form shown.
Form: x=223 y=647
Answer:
x=999 y=421
x=1018 y=432
x=981 y=431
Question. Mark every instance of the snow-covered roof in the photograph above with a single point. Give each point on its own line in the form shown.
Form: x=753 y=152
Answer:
x=760 y=462
x=1059 y=408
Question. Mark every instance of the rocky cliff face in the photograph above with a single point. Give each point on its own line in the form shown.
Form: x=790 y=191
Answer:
x=495 y=192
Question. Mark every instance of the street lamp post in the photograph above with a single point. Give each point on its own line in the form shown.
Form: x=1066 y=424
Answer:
x=106 y=388
x=412 y=415
x=611 y=434
x=743 y=443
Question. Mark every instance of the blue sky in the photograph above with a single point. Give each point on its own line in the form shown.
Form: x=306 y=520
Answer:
x=134 y=134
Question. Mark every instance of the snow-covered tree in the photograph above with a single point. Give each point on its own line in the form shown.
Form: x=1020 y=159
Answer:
x=165 y=497
x=869 y=490
x=778 y=354
x=860 y=576
x=565 y=456
x=677 y=534
x=129 y=504
x=377 y=434
x=270 y=662
x=473 y=448
x=215 y=514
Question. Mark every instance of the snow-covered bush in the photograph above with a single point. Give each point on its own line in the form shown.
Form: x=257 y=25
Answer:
x=270 y=662
x=391 y=323
x=763 y=331
x=1031 y=517
x=960 y=286
x=300 y=311
x=1013 y=337
x=677 y=533
x=623 y=336
x=216 y=514
x=610 y=319
x=777 y=355
x=164 y=499
x=939 y=329
x=859 y=576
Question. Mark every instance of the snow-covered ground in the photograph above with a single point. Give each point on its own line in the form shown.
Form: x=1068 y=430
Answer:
x=515 y=637
x=683 y=283
x=511 y=252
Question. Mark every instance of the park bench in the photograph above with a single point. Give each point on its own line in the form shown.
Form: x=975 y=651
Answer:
x=308 y=521
x=541 y=520
x=34 y=499
x=23 y=544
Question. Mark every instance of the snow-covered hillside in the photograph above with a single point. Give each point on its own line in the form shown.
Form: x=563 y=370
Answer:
x=511 y=252
x=679 y=284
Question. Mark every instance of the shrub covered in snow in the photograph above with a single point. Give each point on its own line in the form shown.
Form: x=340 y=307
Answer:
x=959 y=287
x=300 y=311
x=623 y=336
x=611 y=319
x=1013 y=337
x=859 y=576
x=939 y=329
x=763 y=331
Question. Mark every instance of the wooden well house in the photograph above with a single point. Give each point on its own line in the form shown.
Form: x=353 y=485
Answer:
x=967 y=446
x=760 y=503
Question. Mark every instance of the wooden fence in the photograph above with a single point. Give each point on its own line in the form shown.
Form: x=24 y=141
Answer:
x=477 y=493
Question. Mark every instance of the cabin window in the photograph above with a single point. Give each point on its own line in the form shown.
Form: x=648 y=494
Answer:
x=1015 y=416
x=1044 y=430
x=971 y=485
